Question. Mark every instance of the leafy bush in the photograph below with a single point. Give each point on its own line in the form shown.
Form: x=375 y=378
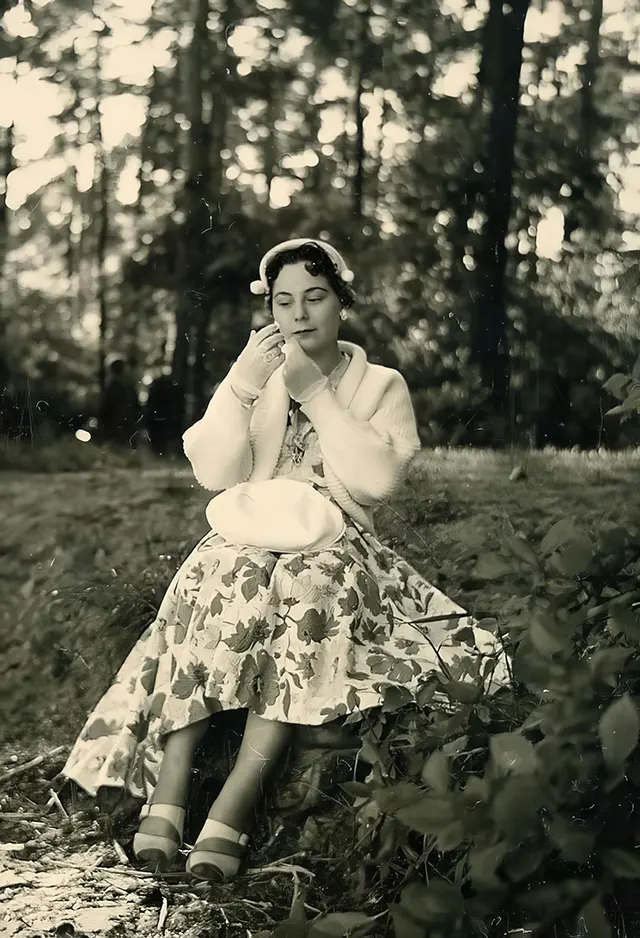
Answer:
x=626 y=388
x=513 y=813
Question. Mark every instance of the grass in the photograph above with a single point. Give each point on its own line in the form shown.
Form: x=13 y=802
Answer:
x=85 y=558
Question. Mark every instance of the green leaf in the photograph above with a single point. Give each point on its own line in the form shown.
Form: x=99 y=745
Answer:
x=429 y=815
x=632 y=401
x=515 y=807
x=513 y=754
x=592 y=921
x=395 y=698
x=522 y=549
x=337 y=924
x=545 y=636
x=561 y=533
x=616 y=385
x=607 y=664
x=435 y=772
x=492 y=566
x=625 y=622
x=433 y=904
x=574 y=843
x=525 y=860
x=454 y=746
x=462 y=691
x=531 y=667
x=397 y=796
x=484 y=862
x=618 y=731
x=356 y=789
x=426 y=692
x=622 y=864
x=574 y=558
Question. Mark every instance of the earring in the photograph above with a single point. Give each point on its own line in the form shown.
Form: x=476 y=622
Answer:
x=343 y=314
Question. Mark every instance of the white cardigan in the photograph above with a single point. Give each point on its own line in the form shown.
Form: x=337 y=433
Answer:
x=366 y=431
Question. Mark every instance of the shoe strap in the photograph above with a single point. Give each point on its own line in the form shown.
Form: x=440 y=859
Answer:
x=145 y=810
x=160 y=827
x=227 y=848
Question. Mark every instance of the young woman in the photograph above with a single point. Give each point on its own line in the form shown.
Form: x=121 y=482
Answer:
x=290 y=607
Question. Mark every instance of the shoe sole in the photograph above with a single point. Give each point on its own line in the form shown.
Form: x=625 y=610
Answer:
x=206 y=872
x=154 y=861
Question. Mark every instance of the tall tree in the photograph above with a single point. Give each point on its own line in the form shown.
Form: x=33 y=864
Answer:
x=362 y=58
x=194 y=200
x=490 y=347
x=587 y=181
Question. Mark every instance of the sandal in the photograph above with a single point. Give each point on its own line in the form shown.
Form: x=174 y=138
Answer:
x=157 y=841
x=217 y=859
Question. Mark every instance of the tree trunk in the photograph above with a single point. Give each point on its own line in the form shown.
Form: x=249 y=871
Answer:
x=219 y=75
x=7 y=166
x=103 y=232
x=358 y=181
x=269 y=148
x=587 y=180
x=190 y=255
x=101 y=249
x=466 y=201
x=489 y=335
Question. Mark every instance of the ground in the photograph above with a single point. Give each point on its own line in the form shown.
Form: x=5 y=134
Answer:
x=85 y=556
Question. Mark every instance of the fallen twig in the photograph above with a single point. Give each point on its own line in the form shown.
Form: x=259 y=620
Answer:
x=54 y=800
x=288 y=868
x=18 y=816
x=32 y=764
x=121 y=855
x=162 y=918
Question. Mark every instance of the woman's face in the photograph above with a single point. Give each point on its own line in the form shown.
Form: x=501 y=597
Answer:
x=306 y=308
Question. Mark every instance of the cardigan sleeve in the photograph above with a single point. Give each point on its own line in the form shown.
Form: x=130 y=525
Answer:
x=369 y=457
x=218 y=445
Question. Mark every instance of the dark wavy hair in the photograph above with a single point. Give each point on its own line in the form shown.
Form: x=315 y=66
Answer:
x=318 y=263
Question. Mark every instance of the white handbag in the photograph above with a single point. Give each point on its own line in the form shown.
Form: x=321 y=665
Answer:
x=279 y=515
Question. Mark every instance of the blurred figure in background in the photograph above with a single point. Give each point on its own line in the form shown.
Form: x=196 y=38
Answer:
x=120 y=411
x=163 y=415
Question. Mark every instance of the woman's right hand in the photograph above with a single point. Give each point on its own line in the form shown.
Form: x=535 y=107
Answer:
x=261 y=356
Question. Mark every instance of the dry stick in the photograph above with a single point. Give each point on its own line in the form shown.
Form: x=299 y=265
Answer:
x=32 y=764
x=162 y=918
x=16 y=816
x=54 y=800
x=285 y=868
x=122 y=857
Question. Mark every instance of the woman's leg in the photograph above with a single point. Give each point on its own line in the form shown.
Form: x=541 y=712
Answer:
x=221 y=843
x=263 y=743
x=177 y=760
x=160 y=832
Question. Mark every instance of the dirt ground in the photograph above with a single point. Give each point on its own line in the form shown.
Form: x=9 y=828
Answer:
x=65 y=865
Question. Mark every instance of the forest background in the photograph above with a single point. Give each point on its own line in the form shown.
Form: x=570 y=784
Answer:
x=478 y=164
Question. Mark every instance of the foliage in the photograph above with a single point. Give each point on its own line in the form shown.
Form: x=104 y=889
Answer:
x=626 y=388
x=148 y=237
x=513 y=812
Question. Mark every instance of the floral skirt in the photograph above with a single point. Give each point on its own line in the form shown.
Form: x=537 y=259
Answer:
x=297 y=638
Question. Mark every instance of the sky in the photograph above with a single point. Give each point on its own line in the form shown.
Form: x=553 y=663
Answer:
x=32 y=102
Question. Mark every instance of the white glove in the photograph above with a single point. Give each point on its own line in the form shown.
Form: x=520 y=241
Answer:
x=261 y=356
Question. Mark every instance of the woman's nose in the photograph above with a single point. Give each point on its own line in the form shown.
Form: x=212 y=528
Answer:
x=300 y=310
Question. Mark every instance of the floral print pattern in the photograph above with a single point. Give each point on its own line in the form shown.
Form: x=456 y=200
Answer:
x=297 y=638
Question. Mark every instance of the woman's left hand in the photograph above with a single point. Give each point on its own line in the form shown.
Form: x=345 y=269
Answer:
x=302 y=377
